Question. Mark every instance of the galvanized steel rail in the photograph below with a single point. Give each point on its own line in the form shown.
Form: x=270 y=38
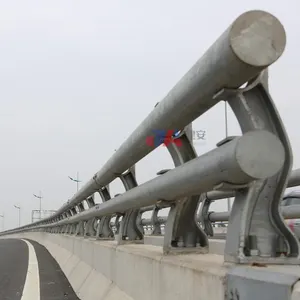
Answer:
x=253 y=167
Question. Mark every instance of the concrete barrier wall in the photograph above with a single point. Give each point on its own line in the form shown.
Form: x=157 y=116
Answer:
x=102 y=270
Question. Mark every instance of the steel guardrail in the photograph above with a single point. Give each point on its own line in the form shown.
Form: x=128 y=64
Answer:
x=254 y=168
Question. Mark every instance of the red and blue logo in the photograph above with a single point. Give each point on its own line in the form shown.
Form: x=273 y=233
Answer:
x=164 y=137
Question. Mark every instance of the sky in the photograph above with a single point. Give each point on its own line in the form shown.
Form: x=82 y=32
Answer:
x=77 y=77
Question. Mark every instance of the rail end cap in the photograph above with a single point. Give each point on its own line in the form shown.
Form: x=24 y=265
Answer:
x=257 y=38
x=260 y=154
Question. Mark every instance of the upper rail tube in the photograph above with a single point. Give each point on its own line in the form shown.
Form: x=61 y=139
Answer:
x=255 y=40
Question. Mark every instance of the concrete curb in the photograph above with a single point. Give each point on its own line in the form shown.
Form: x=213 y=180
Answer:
x=101 y=270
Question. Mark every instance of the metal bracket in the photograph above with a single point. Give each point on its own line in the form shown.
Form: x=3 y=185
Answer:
x=63 y=229
x=89 y=229
x=139 y=221
x=104 y=194
x=226 y=140
x=67 y=229
x=90 y=201
x=80 y=228
x=73 y=228
x=104 y=230
x=204 y=216
x=256 y=228
x=129 y=231
x=117 y=223
x=155 y=223
x=162 y=172
x=183 y=234
x=249 y=283
x=80 y=207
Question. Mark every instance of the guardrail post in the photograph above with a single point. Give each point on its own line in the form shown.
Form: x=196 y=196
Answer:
x=204 y=216
x=182 y=231
x=90 y=201
x=155 y=223
x=73 y=228
x=80 y=228
x=256 y=228
x=80 y=207
x=139 y=222
x=103 y=230
x=70 y=229
x=117 y=223
x=129 y=231
x=66 y=229
x=89 y=229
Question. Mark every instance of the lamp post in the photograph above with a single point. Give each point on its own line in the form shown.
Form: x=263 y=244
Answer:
x=76 y=180
x=39 y=197
x=2 y=216
x=19 y=208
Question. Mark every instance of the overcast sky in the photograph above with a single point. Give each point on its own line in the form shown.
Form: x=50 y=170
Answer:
x=77 y=77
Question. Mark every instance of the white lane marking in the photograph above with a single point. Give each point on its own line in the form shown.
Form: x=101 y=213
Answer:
x=31 y=290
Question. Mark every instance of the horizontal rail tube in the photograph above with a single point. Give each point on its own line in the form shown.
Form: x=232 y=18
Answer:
x=235 y=162
x=147 y=222
x=255 y=40
x=291 y=212
x=288 y=212
x=219 y=216
x=294 y=180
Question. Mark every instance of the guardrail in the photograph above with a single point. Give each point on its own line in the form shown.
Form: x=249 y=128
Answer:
x=255 y=165
x=210 y=219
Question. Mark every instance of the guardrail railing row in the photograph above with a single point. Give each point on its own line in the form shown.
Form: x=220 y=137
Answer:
x=254 y=168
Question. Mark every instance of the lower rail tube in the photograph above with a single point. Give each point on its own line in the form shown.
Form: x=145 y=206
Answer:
x=236 y=162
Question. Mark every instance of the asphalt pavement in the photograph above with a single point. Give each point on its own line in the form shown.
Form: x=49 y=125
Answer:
x=29 y=272
x=13 y=268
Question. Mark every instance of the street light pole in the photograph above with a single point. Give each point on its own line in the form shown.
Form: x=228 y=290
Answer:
x=40 y=198
x=76 y=180
x=19 y=208
x=2 y=216
x=226 y=135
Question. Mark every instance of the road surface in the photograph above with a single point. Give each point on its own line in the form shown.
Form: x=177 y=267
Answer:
x=29 y=272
